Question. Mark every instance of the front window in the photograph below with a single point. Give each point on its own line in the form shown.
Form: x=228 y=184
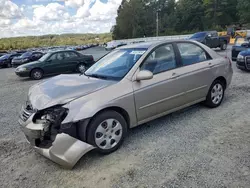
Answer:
x=116 y=64
x=5 y=56
x=25 y=55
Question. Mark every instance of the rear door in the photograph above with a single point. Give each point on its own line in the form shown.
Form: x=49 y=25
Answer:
x=196 y=72
x=71 y=61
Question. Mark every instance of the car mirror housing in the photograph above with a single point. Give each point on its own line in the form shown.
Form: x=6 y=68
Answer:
x=209 y=36
x=144 y=75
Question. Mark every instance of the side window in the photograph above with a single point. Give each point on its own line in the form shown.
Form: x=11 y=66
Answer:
x=70 y=54
x=160 y=60
x=191 y=53
x=53 y=57
x=214 y=34
x=60 y=56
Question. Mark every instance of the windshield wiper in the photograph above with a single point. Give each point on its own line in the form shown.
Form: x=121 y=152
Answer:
x=97 y=76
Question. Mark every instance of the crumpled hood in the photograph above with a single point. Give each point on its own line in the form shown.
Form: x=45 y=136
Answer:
x=63 y=89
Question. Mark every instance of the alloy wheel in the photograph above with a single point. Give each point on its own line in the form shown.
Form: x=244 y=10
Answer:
x=108 y=134
x=217 y=93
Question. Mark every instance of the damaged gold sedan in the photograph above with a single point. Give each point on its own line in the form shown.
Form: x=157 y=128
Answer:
x=68 y=115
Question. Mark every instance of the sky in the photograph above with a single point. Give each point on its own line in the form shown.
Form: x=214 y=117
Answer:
x=39 y=17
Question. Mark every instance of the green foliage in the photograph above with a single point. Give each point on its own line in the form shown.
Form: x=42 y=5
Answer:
x=137 y=18
x=52 y=40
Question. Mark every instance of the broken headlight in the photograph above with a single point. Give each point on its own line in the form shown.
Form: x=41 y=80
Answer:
x=54 y=115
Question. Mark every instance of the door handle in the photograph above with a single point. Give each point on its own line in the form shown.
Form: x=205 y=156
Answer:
x=211 y=65
x=174 y=75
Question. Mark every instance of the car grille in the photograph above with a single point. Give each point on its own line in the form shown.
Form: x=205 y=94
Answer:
x=26 y=111
x=248 y=62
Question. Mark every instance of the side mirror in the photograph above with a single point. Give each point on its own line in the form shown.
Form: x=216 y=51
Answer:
x=49 y=60
x=209 y=36
x=144 y=75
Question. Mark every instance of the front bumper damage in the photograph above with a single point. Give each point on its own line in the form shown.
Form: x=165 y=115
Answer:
x=64 y=150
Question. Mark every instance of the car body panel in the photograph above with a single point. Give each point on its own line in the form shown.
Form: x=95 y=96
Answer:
x=84 y=97
x=244 y=64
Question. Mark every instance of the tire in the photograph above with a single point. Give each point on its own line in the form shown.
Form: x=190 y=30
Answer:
x=36 y=74
x=223 y=45
x=9 y=65
x=215 y=94
x=81 y=68
x=102 y=134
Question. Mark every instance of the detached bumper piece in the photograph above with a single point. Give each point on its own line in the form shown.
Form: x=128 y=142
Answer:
x=63 y=149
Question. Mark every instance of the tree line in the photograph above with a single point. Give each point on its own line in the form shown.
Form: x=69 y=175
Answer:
x=137 y=18
x=52 y=40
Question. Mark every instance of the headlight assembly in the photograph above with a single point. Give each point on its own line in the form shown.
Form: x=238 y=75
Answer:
x=240 y=58
x=21 y=69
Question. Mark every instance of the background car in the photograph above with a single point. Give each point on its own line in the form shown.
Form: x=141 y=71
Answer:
x=243 y=60
x=211 y=39
x=26 y=58
x=56 y=63
x=240 y=44
x=5 y=60
x=2 y=52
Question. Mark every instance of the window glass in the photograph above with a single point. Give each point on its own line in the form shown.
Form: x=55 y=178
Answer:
x=214 y=34
x=191 y=53
x=53 y=57
x=60 y=56
x=160 y=60
x=70 y=54
x=116 y=64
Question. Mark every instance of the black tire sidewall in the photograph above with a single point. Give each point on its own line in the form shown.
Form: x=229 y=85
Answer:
x=209 y=101
x=222 y=46
x=91 y=129
x=32 y=74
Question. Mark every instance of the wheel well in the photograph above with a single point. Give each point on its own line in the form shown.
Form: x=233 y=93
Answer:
x=35 y=69
x=120 y=110
x=223 y=80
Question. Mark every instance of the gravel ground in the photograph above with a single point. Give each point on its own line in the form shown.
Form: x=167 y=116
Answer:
x=194 y=147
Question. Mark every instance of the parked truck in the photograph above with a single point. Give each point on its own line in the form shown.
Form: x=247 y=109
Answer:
x=211 y=39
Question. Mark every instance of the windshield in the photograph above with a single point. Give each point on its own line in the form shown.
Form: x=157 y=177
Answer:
x=5 y=56
x=198 y=35
x=116 y=64
x=240 y=41
x=27 y=54
x=43 y=58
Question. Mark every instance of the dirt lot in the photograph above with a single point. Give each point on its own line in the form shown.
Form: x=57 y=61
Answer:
x=195 y=147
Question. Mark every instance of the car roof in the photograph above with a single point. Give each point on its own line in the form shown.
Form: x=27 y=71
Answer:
x=55 y=51
x=145 y=45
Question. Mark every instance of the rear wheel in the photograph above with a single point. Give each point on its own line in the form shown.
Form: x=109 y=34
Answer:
x=215 y=94
x=81 y=68
x=36 y=74
x=107 y=131
x=223 y=45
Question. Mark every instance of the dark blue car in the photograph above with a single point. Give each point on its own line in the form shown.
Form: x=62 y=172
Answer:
x=5 y=60
x=240 y=44
x=26 y=58
x=243 y=60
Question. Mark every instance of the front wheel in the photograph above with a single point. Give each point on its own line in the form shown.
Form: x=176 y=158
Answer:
x=107 y=131
x=36 y=74
x=223 y=46
x=215 y=94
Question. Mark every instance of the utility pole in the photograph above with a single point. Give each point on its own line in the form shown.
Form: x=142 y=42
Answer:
x=157 y=22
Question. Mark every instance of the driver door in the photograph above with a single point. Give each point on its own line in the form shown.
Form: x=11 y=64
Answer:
x=55 y=63
x=163 y=92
